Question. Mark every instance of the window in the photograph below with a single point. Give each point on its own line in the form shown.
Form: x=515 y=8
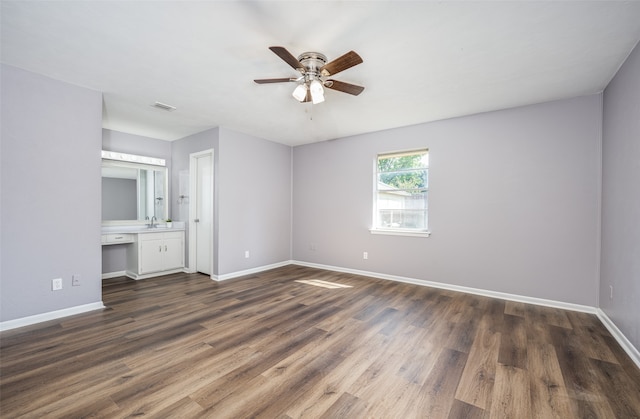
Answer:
x=401 y=189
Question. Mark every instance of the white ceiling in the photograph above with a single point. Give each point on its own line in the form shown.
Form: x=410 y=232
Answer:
x=423 y=60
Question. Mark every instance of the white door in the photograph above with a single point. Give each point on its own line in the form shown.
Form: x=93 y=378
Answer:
x=202 y=176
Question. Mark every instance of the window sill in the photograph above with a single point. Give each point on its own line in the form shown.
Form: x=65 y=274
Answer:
x=400 y=232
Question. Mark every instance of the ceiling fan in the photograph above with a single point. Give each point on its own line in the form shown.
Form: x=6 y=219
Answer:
x=315 y=71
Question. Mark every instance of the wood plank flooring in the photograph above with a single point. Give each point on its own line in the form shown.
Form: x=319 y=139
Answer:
x=265 y=346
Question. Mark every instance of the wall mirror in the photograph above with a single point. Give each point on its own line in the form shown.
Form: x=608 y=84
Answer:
x=133 y=192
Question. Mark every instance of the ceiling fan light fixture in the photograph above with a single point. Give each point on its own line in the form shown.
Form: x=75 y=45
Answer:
x=317 y=92
x=300 y=92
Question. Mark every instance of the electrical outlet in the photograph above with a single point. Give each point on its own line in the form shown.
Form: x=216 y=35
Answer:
x=611 y=292
x=312 y=246
x=56 y=284
x=365 y=255
x=75 y=280
x=246 y=254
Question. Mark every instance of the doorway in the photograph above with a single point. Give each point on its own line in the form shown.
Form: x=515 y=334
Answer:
x=201 y=212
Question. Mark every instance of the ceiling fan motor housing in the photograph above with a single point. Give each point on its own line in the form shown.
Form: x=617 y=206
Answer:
x=312 y=62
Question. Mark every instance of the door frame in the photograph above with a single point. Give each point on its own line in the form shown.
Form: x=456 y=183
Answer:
x=193 y=192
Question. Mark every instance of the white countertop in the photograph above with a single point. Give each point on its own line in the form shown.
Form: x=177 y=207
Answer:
x=138 y=228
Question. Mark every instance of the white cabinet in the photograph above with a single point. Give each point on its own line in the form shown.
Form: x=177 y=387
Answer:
x=155 y=254
x=150 y=253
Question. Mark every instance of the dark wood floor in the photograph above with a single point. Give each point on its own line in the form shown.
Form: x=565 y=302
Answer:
x=183 y=346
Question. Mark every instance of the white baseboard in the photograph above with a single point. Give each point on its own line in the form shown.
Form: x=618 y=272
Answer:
x=459 y=288
x=108 y=275
x=250 y=271
x=137 y=277
x=51 y=315
x=628 y=347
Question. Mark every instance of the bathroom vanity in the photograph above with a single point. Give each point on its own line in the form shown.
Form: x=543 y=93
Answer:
x=150 y=251
x=135 y=193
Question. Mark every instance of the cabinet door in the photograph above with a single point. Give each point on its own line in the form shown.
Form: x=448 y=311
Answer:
x=151 y=255
x=173 y=249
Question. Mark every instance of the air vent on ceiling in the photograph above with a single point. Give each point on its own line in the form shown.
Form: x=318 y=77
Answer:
x=164 y=106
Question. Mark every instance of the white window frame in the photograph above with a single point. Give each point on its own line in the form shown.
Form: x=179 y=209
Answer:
x=375 y=229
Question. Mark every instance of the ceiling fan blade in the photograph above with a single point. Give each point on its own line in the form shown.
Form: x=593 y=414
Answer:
x=282 y=80
x=347 y=60
x=288 y=58
x=341 y=86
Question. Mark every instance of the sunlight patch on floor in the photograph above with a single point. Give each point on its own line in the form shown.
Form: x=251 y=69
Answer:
x=321 y=283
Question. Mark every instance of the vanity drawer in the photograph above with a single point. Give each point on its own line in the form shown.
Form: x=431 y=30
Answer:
x=160 y=235
x=174 y=235
x=117 y=238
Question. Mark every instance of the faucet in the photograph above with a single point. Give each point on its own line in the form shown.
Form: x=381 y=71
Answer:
x=152 y=220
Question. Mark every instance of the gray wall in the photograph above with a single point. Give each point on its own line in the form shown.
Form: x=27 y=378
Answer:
x=513 y=202
x=180 y=151
x=136 y=144
x=114 y=257
x=50 y=182
x=620 y=265
x=253 y=202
